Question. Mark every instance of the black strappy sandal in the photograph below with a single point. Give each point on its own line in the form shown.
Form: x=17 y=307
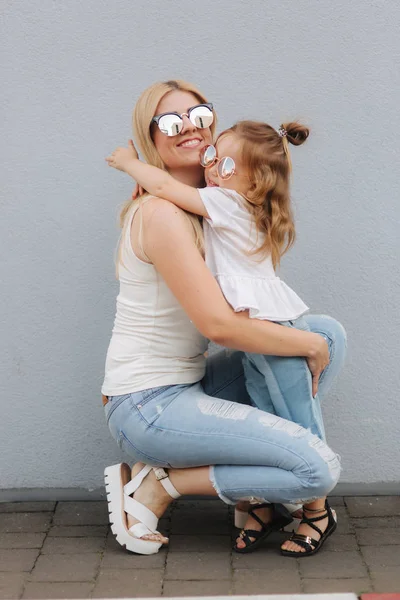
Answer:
x=280 y=518
x=311 y=545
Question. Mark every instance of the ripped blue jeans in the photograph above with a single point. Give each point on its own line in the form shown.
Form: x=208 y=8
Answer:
x=253 y=454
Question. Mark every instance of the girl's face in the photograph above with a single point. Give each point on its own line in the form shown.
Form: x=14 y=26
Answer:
x=229 y=144
x=180 y=151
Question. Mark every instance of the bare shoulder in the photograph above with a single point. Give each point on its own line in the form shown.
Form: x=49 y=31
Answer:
x=160 y=216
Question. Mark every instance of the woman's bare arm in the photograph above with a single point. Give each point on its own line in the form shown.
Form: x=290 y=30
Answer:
x=168 y=242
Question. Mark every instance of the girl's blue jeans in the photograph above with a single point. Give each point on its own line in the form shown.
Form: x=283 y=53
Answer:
x=253 y=454
x=283 y=385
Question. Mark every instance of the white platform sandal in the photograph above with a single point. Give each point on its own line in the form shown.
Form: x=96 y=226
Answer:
x=119 y=487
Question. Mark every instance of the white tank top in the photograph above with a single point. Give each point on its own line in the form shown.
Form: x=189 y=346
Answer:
x=153 y=341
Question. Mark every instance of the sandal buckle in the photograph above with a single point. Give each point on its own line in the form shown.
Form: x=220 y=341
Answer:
x=160 y=473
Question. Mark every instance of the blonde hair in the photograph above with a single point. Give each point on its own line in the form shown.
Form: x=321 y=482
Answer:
x=143 y=113
x=265 y=154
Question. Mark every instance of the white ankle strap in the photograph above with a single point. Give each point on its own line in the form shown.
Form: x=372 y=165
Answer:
x=162 y=477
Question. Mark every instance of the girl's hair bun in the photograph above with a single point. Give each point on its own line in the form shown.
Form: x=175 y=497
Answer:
x=296 y=133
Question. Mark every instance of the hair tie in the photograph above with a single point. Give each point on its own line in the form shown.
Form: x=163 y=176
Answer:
x=282 y=131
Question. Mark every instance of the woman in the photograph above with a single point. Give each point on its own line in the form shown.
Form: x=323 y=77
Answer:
x=166 y=404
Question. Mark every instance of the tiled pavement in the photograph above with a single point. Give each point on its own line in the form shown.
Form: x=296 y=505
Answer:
x=65 y=550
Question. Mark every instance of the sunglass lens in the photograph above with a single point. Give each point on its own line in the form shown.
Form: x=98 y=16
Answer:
x=226 y=167
x=170 y=124
x=208 y=156
x=201 y=117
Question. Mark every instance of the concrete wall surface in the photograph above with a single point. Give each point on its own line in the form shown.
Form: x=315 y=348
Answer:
x=71 y=72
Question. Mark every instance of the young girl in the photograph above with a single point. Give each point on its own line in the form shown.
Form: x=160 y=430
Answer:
x=248 y=226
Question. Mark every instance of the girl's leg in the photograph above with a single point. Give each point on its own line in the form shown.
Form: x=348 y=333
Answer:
x=283 y=386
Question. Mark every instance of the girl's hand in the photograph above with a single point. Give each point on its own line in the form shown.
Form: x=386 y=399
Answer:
x=318 y=361
x=121 y=157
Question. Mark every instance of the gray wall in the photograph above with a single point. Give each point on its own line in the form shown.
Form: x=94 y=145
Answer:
x=70 y=75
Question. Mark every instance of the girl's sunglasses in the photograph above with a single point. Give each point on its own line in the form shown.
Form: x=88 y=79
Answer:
x=226 y=165
x=171 y=123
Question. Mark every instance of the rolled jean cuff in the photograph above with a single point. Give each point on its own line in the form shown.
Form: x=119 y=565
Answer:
x=217 y=489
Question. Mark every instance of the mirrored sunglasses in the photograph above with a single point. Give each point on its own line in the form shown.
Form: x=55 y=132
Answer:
x=226 y=165
x=171 y=123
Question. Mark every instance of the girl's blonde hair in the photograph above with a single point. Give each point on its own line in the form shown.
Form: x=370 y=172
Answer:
x=143 y=113
x=265 y=155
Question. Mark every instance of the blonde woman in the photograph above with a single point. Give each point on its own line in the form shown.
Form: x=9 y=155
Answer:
x=166 y=404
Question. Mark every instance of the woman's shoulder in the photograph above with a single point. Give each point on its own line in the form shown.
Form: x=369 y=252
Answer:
x=154 y=207
x=163 y=218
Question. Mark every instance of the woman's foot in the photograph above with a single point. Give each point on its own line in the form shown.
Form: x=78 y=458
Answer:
x=318 y=523
x=154 y=497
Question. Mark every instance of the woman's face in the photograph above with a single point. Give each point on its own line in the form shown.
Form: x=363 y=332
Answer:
x=182 y=150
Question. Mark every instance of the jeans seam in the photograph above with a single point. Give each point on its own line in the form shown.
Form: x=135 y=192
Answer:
x=226 y=383
x=121 y=433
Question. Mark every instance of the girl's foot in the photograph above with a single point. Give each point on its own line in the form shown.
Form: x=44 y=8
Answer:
x=262 y=520
x=318 y=523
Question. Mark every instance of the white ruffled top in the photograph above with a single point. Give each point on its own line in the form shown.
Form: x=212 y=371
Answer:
x=247 y=282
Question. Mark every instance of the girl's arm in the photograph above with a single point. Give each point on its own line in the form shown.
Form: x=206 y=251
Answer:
x=168 y=242
x=156 y=181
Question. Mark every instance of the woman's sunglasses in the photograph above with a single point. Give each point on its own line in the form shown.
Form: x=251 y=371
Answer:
x=171 y=123
x=226 y=165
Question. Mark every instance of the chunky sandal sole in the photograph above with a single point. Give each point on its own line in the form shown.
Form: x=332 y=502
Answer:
x=115 y=478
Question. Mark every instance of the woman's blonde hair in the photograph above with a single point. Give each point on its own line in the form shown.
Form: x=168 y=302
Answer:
x=265 y=155
x=143 y=113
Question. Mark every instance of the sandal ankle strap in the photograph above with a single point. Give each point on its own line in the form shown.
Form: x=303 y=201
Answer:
x=162 y=476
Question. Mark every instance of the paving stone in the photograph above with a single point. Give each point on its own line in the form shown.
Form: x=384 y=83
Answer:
x=52 y=590
x=345 y=524
x=378 y=537
x=73 y=545
x=265 y=581
x=196 y=505
x=11 y=585
x=321 y=586
x=21 y=540
x=13 y=507
x=21 y=522
x=381 y=556
x=339 y=542
x=196 y=588
x=66 y=567
x=200 y=543
x=130 y=583
x=81 y=513
x=333 y=565
x=370 y=506
x=336 y=501
x=203 y=524
x=18 y=560
x=116 y=557
x=265 y=558
x=198 y=565
x=78 y=531
x=386 y=579
x=377 y=523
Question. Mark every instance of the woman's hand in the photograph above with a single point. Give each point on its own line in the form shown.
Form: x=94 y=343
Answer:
x=137 y=191
x=121 y=157
x=317 y=360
